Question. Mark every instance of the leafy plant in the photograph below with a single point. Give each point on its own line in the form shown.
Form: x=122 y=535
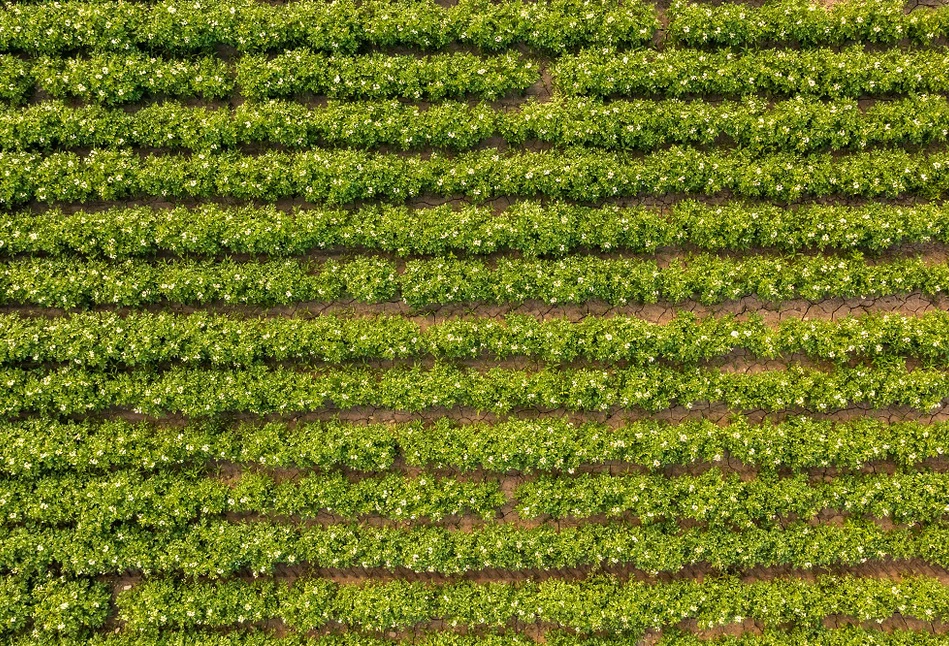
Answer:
x=260 y=390
x=344 y=176
x=69 y=607
x=851 y=72
x=599 y=604
x=178 y=27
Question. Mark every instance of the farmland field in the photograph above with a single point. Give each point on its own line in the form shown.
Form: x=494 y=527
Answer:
x=474 y=322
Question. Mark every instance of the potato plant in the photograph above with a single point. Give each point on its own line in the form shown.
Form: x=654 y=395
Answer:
x=102 y=340
x=199 y=392
x=800 y=124
x=473 y=323
x=222 y=550
x=551 y=445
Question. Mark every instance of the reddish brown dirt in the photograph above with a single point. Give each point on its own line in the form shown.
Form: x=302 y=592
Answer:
x=498 y=204
x=508 y=481
x=914 y=4
x=611 y=418
x=738 y=361
x=913 y=304
x=931 y=253
x=885 y=569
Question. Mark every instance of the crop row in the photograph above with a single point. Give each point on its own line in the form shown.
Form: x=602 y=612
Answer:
x=800 y=124
x=817 y=636
x=201 y=393
x=51 y=609
x=621 y=607
x=731 y=501
x=169 y=500
x=801 y=22
x=38 y=447
x=530 y=228
x=100 y=340
x=219 y=548
x=606 y=604
x=166 y=501
x=340 y=26
x=378 y=75
x=118 y=78
x=124 y=78
x=852 y=72
x=345 y=176
x=550 y=26
x=114 y=78
x=64 y=282
x=627 y=608
x=599 y=604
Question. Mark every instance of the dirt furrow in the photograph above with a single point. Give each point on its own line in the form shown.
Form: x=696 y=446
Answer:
x=913 y=304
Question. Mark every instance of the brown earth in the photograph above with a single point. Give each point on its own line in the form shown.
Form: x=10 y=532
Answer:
x=913 y=304
x=611 y=418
